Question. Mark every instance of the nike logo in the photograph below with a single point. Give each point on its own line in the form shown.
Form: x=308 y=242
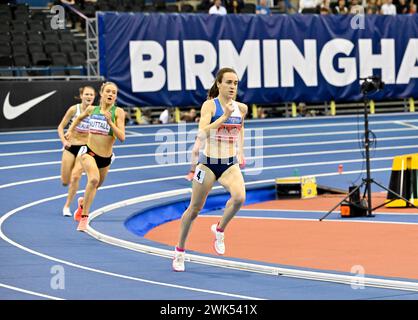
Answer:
x=12 y=112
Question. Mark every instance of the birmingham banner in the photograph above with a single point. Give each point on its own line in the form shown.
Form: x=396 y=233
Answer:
x=172 y=59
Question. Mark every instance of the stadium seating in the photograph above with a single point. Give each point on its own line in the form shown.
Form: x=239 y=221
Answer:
x=28 y=41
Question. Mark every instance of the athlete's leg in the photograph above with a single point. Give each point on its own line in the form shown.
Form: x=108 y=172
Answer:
x=74 y=182
x=233 y=181
x=202 y=184
x=93 y=180
x=67 y=164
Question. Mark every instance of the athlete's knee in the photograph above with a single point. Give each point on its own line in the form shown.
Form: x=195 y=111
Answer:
x=238 y=199
x=94 y=181
x=194 y=210
x=75 y=176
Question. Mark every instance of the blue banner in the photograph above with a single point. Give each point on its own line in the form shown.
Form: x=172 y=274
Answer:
x=172 y=59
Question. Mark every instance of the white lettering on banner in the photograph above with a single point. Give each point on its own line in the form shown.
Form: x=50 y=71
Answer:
x=292 y=59
x=348 y=65
x=270 y=66
x=201 y=62
x=247 y=59
x=202 y=70
x=408 y=68
x=138 y=50
x=384 y=61
x=173 y=66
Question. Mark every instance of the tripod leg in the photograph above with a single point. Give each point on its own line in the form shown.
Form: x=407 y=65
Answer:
x=339 y=203
x=394 y=193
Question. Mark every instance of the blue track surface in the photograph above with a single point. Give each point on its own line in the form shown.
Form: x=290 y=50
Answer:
x=37 y=240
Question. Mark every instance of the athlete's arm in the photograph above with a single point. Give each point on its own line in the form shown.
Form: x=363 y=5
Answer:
x=65 y=120
x=118 y=127
x=240 y=153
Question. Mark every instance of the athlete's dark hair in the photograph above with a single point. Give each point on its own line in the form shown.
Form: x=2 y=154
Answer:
x=214 y=91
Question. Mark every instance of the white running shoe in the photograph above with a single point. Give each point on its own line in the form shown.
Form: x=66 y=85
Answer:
x=178 y=261
x=219 y=243
x=66 y=212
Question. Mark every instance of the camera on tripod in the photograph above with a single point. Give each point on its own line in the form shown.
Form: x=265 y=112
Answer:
x=371 y=84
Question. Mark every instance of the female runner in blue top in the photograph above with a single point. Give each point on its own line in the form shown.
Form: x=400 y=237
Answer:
x=221 y=134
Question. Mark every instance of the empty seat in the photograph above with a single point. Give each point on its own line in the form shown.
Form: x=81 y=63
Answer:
x=40 y=59
x=5 y=26
x=19 y=36
x=5 y=49
x=51 y=36
x=38 y=15
x=22 y=15
x=77 y=59
x=19 y=25
x=66 y=46
x=50 y=47
x=35 y=46
x=59 y=59
x=5 y=37
x=35 y=35
x=80 y=46
x=5 y=15
x=66 y=35
x=19 y=46
x=36 y=25
x=21 y=60
x=6 y=60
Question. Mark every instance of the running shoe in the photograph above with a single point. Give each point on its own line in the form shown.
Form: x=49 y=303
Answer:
x=178 y=261
x=66 y=212
x=219 y=243
x=77 y=215
x=82 y=225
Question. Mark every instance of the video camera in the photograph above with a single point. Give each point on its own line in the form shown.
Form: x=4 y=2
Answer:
x=371 y=84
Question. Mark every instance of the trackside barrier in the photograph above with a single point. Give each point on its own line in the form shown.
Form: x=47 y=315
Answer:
x=231 y=264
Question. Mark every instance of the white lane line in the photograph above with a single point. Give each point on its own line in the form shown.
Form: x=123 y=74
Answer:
x=406 y=124
x=33 y=293
x=112 y=274
x=286 y=155
x=262 y=146
x=189 y=139
x=256 y=169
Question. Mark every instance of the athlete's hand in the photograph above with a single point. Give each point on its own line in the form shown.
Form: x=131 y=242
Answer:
x=67 y=136
x=229 y=108
x=66 y=144
x=241 y=161
x=108 y=117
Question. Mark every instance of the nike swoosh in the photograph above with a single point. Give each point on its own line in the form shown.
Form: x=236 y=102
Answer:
x=12 y=112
